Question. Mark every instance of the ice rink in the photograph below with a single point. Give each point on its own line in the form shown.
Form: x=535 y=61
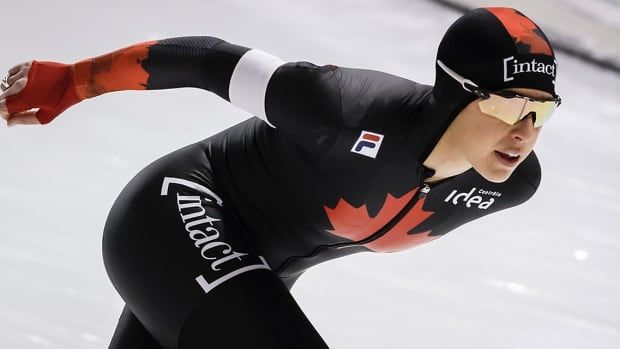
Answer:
x=542 y=275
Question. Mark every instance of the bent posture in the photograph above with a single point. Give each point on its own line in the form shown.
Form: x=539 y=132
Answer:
x=204 y=244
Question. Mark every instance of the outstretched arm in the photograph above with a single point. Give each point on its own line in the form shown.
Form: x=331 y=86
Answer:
x=204 y=62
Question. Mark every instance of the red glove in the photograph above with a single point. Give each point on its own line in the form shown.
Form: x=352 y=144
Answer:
x=50 y=88
x=54 y=87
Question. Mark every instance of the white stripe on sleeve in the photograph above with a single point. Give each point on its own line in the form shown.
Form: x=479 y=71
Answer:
x=248 y=84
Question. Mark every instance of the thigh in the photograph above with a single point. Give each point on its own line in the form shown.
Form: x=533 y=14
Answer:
x=179 y=258
x=131 y=334
x=254 y=310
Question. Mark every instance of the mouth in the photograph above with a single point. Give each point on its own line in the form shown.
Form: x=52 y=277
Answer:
x=508 y=159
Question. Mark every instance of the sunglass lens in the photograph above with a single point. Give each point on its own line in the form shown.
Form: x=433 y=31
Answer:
x=543 y=111
x=506 y=109
x=511 y=110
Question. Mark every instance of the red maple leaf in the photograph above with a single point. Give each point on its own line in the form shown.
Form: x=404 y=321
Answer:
x=354 y=223
x=522 y=29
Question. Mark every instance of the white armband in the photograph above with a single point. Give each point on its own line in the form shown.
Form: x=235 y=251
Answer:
x=248 y=84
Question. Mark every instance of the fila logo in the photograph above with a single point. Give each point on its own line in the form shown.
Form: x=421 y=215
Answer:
x=368 y=144
x=470 y=200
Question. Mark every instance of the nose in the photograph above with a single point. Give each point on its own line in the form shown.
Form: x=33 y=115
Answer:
x=524 y=130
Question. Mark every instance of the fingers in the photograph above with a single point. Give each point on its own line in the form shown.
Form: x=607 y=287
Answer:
x=4 y=84
x=16 y=76
x=28 y=117
x=15 y=73
x=13 y=84
x=15 y=88
x=24 y=118
x=4 y=113
x=20 y=67
x=17 y=68
x=17 y=80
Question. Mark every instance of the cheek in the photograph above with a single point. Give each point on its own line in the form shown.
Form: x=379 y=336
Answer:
x=535 y=138
x=484 y=139
x=531 y=144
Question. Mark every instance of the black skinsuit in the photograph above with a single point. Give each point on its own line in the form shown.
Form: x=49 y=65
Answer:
x=338 y=170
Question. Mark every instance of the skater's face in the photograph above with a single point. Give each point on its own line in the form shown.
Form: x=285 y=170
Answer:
x=492 y=147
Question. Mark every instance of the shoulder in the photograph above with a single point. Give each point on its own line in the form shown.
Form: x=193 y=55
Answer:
x=351 y=83
x=300 y=94
x=364 y=85
x=373 y=79
x=375 y=98
x=305 y=72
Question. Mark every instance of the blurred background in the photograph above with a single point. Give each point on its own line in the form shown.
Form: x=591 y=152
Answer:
x=544 y=274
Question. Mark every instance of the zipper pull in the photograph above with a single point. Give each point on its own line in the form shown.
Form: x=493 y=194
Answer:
x=426 y=189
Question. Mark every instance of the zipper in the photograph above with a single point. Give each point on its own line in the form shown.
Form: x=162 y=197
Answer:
x=421 y=193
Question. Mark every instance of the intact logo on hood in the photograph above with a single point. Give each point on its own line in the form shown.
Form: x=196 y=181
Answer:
x=512 y=67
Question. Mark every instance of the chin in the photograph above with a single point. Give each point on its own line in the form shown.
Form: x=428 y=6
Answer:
x=495 y=176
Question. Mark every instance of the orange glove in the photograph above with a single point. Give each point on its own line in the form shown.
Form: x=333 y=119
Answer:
x=49 y=87
x=54 y=87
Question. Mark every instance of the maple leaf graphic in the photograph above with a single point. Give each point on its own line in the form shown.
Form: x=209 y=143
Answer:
x=525 y=33
x=354 y=223
x=100 y=74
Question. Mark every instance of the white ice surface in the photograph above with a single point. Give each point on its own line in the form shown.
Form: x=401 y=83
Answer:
x=542 y=275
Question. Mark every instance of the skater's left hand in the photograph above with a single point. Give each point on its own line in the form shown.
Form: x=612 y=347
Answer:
x=12 y=84
x=37 y=92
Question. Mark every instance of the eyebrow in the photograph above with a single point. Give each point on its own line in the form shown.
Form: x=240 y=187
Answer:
x=540 y=97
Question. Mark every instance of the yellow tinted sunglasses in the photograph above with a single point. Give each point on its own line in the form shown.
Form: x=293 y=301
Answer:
x=507 y=106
